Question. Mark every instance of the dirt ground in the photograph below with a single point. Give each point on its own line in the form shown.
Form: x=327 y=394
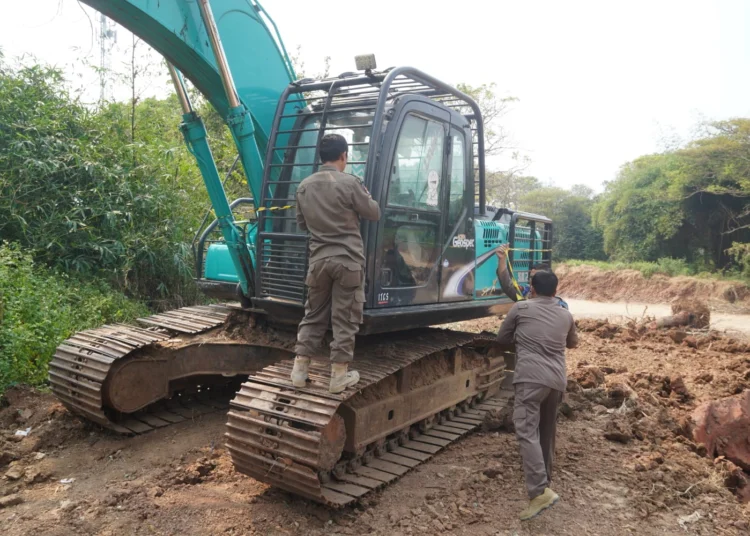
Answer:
x=591 y=283
x=646 y=479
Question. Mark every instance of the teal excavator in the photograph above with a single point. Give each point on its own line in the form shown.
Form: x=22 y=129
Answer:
x=418 y=146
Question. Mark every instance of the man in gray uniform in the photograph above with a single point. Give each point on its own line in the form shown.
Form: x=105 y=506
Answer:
x=541 y=330
x=330 y=204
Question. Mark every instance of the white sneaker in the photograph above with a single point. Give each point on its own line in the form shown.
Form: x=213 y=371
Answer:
x=299 y=372
x=341 y=379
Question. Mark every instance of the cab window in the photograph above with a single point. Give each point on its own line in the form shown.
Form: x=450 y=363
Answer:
x=418 y=165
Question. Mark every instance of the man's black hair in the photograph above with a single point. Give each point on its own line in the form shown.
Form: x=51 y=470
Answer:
x=541 y=266
x=332 y=146
x=544 y=283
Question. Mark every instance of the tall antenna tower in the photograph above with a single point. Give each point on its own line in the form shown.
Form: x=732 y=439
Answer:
x=107 y=41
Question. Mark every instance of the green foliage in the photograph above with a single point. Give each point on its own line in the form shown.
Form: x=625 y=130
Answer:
x=573 y=235
x=39 y=308
x=110 y=193
x=740 y=253
x=507 y=189
x=688 y=203
x=664 y=266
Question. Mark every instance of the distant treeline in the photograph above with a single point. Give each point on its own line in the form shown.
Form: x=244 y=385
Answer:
x=690 y=204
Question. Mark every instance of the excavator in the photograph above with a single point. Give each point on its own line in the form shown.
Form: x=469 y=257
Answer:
x=417 y=144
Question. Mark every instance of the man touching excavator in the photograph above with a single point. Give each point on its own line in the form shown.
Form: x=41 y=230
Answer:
x=541 y=331
x=330 y=204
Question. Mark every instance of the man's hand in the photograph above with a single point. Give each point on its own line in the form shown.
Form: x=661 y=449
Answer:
x=502 y=252
x=502 y=264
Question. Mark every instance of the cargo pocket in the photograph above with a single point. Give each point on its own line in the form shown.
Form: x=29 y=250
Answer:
x=311 y=280
x=519 y=416
x=351 y=275
x=358 y=305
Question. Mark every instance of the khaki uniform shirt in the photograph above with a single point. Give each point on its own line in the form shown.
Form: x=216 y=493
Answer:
x=541 y=330
x=329 y=206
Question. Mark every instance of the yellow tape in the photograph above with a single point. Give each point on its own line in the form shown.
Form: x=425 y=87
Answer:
x=261 y=209
x=515 y=283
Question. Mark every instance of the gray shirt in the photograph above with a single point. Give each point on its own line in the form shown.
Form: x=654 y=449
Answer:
x=541 y=330
x=329 y=206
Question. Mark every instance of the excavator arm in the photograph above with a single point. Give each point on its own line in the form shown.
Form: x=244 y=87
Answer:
x=202 y=39
x=261 y=69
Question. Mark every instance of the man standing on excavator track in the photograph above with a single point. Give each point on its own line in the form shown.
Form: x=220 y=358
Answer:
x=541 y=330
x=330 y=204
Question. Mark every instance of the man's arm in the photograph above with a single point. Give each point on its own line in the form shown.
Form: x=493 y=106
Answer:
x=363 y=202
x=503 y=275
x=300 y=216
x=572 y=340
x=508 y=327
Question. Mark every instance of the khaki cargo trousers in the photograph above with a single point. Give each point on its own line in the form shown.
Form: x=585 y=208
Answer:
x=335 y=295
x=535 y=420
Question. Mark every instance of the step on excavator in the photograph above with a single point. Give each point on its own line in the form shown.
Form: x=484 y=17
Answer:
x=417 y=144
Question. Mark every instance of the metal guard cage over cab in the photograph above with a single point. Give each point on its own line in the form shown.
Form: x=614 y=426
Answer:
x=359 y=107
x=355 y=106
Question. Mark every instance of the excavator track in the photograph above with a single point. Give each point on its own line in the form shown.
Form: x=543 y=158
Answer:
x=419 y=392
x=94 y=372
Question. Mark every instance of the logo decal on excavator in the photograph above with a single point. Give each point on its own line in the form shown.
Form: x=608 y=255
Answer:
x=460 y=241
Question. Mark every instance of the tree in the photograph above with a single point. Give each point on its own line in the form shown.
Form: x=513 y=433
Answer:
x=573 y=236
x=493 y=108
x=691 y=203
x=72 y=194
x=506 y=189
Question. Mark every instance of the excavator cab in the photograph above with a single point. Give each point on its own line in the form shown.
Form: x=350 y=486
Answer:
x=415 y=143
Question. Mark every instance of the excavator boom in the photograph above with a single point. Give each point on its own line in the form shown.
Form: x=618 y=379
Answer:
x=261 y=69
x=202 y=39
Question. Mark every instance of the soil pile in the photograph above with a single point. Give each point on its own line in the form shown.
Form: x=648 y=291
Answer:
x=627 y=461
x=591 y=283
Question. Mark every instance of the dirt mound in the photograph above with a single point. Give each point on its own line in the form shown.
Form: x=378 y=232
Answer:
x=626 y=462
x=591 y=283
x=700 y=314
x=723 y=426
x=32 y=423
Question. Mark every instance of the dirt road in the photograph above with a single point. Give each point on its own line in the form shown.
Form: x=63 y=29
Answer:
x=179 y=480
x=620 y=311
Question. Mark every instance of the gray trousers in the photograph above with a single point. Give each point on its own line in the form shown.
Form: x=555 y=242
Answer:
x=335 y=296
x=535 y=420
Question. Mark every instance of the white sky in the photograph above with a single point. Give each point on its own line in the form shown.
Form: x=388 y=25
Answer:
x=600 y=82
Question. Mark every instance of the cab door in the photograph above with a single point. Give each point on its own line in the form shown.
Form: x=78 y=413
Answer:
x=458 y=252
x=410 y=232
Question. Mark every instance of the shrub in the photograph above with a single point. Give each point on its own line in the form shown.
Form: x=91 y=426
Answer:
x=39 y=308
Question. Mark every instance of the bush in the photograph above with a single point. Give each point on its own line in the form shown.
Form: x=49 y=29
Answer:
x=109 y=193
x=40 y=308
x=740 y=254
x=673 y=267
x=665 y=266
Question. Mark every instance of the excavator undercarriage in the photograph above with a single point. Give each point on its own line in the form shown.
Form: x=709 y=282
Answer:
x=184 y=362
x=420 y=390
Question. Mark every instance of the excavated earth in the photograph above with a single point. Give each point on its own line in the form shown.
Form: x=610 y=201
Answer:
x=626 y=463
x=591 y=283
